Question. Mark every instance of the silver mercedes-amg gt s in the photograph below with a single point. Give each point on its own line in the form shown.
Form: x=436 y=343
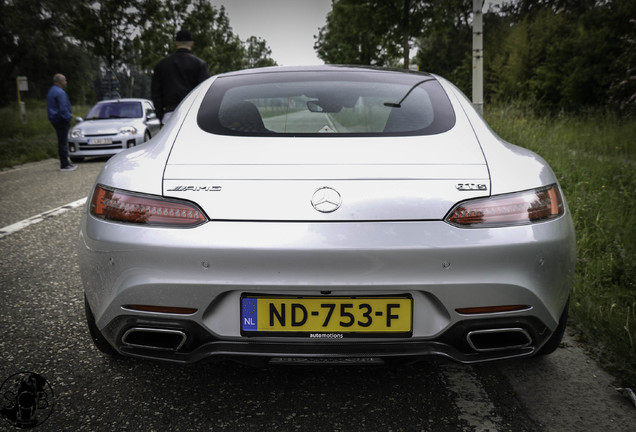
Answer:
x=326 y=214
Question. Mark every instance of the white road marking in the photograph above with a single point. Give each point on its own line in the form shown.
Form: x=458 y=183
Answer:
x=10 y=229
x=473 y=404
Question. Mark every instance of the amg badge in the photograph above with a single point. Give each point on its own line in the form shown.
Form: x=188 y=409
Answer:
x=195 y=189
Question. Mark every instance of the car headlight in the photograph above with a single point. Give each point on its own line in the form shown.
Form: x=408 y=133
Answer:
x=129 y=207
x=128 y=130
x=76 y=133
x=521 y=208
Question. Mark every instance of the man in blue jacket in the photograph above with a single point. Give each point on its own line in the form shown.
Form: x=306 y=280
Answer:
x=59 y=112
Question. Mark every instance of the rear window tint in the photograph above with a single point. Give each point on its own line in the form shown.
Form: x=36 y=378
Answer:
x=326 y=103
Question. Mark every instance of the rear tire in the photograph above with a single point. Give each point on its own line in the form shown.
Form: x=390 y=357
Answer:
x=555 y=340
x=97 y=336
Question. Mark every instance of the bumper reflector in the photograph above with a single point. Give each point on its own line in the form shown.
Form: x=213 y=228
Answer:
x=491 y=309
x=162 y=309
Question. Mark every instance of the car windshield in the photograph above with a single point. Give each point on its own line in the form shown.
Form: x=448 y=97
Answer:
x=358 y=103
x=115 y=110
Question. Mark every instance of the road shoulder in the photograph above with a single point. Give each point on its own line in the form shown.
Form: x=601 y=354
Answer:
x=568 y=381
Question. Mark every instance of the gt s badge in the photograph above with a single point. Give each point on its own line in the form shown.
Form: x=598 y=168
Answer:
x=471 y=187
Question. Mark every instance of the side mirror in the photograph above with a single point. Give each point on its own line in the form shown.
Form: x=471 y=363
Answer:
x=79 y=119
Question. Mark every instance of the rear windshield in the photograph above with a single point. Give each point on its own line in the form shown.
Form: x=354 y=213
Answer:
x=326 y=103
x=112 y=110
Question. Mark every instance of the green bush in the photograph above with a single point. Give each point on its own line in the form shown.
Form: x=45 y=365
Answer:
x=31 y=141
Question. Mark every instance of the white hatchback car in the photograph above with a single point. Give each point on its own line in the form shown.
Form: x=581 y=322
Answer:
x=326 y=214
x=112 y=126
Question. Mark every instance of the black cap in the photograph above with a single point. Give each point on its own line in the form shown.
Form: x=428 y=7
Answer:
x=183 y=36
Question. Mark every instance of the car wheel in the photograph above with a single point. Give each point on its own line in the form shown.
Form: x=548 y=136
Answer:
x=146 y=136
x=76 y=159
x=97 y=336
x=555 y=340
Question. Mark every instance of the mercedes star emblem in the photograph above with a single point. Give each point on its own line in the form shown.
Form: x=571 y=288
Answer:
x=326 y=200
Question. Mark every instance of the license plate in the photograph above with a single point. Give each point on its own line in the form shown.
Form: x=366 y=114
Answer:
x=323 y=316
x=97 y=141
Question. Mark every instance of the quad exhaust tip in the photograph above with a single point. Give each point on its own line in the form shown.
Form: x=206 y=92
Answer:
x=498 y=339
x=480 y=340
x=154 y=338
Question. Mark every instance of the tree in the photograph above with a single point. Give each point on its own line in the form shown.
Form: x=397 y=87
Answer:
x=257 y=53
x=34 y=43
x=217 y=44
x=156 y=31
x=622 y=91
x=105 y=28
x=348 y=37
x=445 y=44
x=370 y=32
x=564 y=54
x=559 y=54
x=404 y=21
x=214 y=40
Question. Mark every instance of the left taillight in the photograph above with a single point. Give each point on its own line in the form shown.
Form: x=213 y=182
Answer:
x=521 y=208
x=129 y=207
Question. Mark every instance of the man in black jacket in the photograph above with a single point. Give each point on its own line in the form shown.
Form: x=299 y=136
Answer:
x=176 y=75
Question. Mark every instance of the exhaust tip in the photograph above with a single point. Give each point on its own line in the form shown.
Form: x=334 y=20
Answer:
x=154 y=338
x=498 y=339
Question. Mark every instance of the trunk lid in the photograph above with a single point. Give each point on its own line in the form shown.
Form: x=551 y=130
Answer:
x=293 y=179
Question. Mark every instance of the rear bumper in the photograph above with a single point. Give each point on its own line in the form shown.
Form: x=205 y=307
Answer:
x=201 y=346
x=441 y=267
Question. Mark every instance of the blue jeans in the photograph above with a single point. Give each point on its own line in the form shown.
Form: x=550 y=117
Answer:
x=61 y=129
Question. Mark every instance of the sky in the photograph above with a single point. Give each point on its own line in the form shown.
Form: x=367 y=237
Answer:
x=288 y=26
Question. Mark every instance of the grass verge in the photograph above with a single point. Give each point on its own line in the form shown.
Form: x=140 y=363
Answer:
x=32 y=141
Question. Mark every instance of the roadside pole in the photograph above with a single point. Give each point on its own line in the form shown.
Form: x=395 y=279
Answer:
x=478 y=56
x=23 y=85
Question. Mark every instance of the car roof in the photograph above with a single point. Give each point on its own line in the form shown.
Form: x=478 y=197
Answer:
x=123 y=100
x=323 y=68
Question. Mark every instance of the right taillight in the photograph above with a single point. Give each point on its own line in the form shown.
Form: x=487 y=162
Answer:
x=129 y=207
x=518 y=208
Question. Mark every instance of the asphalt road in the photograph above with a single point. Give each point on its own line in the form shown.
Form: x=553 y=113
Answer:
x=42 y=330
